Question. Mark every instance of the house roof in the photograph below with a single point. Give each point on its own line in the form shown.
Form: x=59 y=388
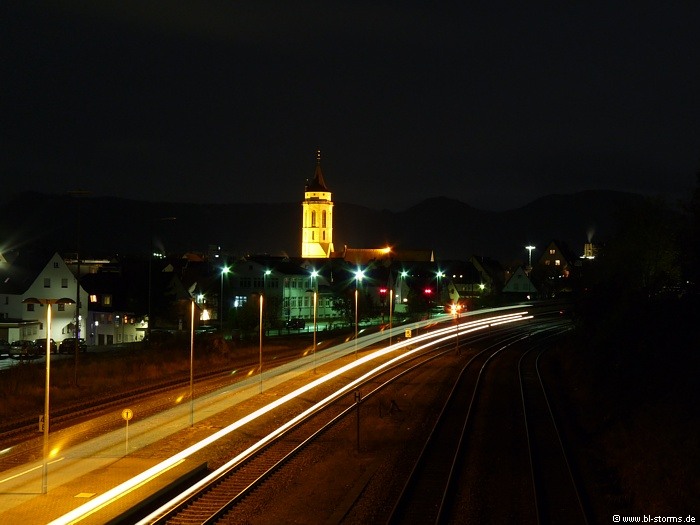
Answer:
x=21 y=269
x=365 y=255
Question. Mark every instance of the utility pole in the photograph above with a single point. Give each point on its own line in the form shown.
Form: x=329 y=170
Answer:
x=77 y=194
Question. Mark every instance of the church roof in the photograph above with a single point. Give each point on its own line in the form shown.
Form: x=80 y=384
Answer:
x=365 y=255
x=318 y=183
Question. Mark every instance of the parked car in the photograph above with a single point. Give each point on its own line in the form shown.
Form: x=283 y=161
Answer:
x=4 y=349
x=22 y=348
x=67 y=346
x=40 y=345
x=297 y=324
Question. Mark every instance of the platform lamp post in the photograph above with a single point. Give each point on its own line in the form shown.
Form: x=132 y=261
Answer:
x=454 y=308
x=192 y=363
x=266 y=274
x=391 y=304
x=359 y=274
x=261 y=338
x=314 y=285
x=47 y=303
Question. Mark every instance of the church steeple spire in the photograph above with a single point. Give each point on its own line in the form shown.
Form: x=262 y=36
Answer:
x=318 y=183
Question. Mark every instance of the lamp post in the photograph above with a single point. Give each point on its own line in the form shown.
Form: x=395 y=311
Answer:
x=529 y=255
x=47 y=303
x=455 y=314
x=314 y=284
x=440 y=274
x=265 y=275
x=529 y=267
x=224 y=270
x=391 y=304
x=261 y=338
x=359 y=274
x=150 y=271
x=192 y=364
x=77 y=194
x=402 y=284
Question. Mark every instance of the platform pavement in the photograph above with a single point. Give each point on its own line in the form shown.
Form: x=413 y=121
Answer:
x=35 y=508
x=44 y=508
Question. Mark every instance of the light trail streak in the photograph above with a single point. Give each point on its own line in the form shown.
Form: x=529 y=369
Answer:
x=79 y=513
x=20 y=474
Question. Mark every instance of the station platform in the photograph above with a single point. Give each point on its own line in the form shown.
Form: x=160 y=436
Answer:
x=40 y=508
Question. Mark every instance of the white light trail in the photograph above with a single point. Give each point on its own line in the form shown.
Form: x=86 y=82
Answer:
x=88 y=508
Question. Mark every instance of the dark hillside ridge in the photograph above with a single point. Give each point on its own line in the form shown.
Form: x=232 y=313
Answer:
x=452 y=229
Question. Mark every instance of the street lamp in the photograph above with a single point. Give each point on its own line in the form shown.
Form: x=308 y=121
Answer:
x=150 y=272
x=261 y=338
x=48 y=303
x=359 y=274
x=529 y=255
x=529 y=266
x=224 y=270
x=455 y=307
x=402 y=285
x=440 y=274
x=192 y=365
x=265 y=275
x=314 y=284
x=391 y=304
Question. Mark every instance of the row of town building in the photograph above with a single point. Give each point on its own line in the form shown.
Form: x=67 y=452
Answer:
x=122 y=300
x=117 y=300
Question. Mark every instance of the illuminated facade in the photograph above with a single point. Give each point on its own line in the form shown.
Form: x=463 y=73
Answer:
x=317 y=217
x=29 y=275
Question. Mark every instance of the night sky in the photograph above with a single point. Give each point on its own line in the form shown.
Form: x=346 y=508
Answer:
x=491 y=103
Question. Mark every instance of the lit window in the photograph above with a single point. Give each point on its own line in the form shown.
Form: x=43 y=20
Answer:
x=552 y=251
x=107 y=300
x=93 y=298
x=557 y=262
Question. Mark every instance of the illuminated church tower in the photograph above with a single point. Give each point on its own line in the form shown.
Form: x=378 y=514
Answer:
x=317 y=217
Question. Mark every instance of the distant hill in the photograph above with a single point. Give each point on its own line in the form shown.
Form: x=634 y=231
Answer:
x=453 y=229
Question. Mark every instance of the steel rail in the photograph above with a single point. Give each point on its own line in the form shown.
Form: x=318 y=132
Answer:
x=573 y=485
x=219 y=481
x=409 y=500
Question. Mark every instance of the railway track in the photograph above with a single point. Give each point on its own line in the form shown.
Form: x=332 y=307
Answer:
x=494 y=455
x=555 y=489
x=216 y=497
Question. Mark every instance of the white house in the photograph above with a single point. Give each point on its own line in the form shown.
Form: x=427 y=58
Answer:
x=29 y=282
x=520 y=283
